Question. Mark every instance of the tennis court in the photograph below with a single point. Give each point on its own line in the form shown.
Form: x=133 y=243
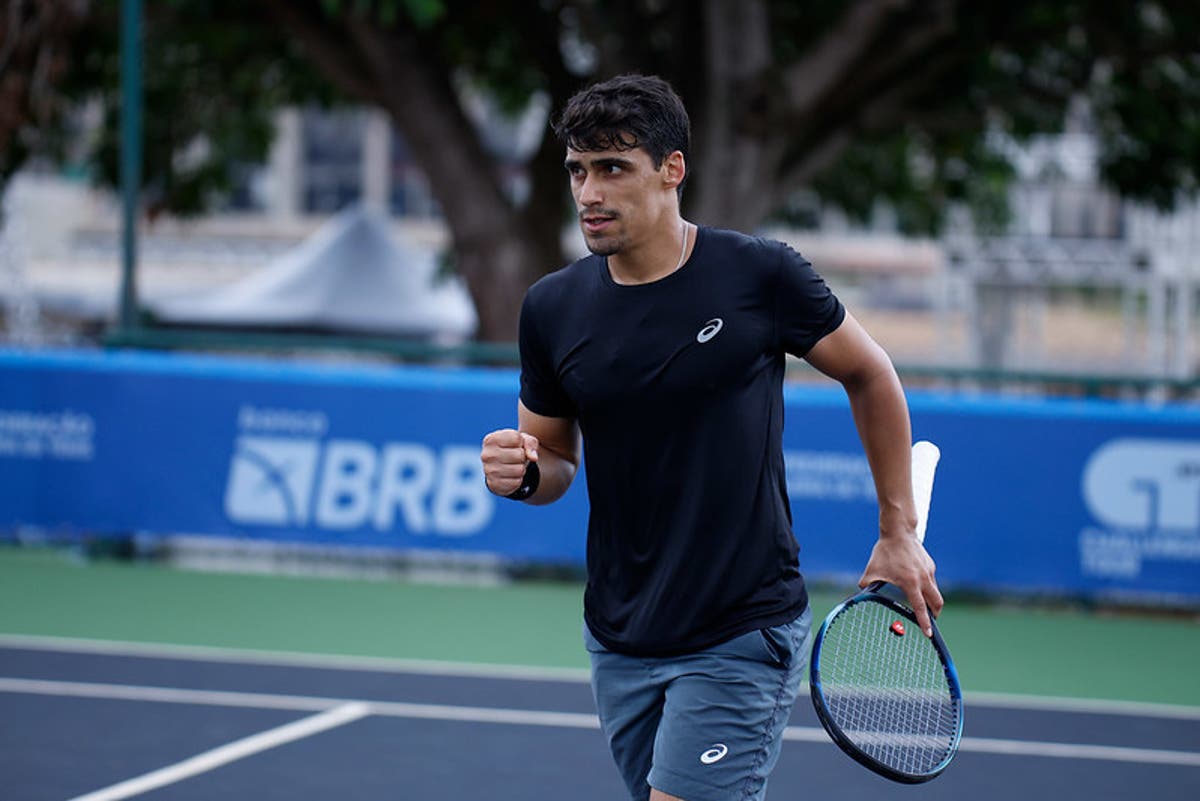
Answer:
x=107 y=722
x=120 y=680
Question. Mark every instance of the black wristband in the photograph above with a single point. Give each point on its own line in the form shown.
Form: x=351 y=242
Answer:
x=529 y=484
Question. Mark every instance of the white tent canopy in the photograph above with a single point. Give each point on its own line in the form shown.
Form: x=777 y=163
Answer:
x=351 y=275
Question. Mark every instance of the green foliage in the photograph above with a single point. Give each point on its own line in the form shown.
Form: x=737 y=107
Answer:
x=918 y=177
x=214 y=74
x=423 y=13
x=1147 y=110
x=494 y=54
x=216 y=71
x=34 y=38
x=1134 y=66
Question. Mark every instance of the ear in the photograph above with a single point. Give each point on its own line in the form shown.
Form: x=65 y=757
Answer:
x=674 y=168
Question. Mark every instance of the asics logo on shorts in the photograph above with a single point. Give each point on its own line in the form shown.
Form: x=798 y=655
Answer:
x=710 y=330
x=714 y=754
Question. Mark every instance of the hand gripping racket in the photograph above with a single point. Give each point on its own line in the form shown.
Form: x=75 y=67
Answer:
x=888 y=695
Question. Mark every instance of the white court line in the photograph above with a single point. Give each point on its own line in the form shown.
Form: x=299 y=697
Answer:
x=518 y=672
x=529 y=717
x=223 y=755
x=207 y=653
x=1094 y=706
x=170 y=695
x=1106 y=753
x=177 y=695
x=1030 y=748
x=474 y=714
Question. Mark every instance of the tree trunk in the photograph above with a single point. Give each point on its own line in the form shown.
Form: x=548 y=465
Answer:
x=497 y=277
x=735 y=152
x=764 y=129
x=498 y=251
x=35 y=50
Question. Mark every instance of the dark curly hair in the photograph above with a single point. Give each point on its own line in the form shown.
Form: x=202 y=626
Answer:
x=624 y=113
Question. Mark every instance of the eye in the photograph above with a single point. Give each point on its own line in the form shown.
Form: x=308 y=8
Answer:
x=613 y=169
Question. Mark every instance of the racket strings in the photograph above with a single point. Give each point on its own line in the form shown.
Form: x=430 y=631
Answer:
x=888 y=692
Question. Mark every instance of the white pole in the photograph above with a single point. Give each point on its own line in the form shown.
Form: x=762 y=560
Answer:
x=377 y=161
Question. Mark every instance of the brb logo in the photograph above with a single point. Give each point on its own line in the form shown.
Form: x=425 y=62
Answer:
x=1146 y=495
x=345 y=484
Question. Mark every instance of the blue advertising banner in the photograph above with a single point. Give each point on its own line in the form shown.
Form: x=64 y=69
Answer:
x=1050 y=496
x=1045 y=496
x=128 y=442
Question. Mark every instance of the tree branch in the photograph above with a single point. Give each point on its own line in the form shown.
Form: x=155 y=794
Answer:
x=825 y=66
x=417 y=92
x=890 y=106
x=597 y=33
x=316 y=32
x=540 y=33
x=35 y=51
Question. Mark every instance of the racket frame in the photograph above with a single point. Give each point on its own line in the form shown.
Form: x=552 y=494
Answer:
x=925 y=457
x=874 y=594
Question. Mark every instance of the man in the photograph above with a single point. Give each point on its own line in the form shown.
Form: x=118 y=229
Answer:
x=664 y=353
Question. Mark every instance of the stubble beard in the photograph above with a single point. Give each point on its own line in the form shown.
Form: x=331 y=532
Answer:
x=603 y=244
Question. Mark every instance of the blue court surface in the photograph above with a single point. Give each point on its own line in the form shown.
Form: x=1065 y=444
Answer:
x=105 y=721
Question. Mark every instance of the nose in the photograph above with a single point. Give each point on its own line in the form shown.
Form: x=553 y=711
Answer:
x=589 y=192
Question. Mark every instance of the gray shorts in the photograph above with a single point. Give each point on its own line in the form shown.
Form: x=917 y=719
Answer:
x=706 y=726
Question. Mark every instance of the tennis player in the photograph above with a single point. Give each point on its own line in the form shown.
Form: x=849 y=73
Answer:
x=660 y=359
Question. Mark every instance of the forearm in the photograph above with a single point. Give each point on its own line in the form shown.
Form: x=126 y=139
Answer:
x=559 y=449
x=880 y=411
x=557 y=473
x=881 y=415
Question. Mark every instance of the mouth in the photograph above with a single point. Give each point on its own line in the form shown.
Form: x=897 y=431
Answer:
x=596 y=223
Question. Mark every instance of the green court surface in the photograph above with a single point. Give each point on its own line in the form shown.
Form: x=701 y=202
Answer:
x=1039 y=651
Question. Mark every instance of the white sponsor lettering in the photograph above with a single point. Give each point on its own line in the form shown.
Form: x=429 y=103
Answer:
x=61 y=435
x=345 y=484
x=295 y=422
x=408 y=476
x=1145 y=494
x=463 y=505
x=345 y=493
x=829 y=475
x=1145 y=484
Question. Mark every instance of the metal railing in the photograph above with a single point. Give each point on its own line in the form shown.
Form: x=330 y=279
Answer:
x=505 y=354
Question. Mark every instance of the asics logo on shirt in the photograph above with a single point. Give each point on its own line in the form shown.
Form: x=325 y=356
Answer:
x=710 y=330
x=714 y=754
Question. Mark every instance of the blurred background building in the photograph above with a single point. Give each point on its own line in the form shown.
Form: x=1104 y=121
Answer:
x=1081 y=282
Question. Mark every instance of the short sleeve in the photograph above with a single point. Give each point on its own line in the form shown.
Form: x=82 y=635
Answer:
x=805 y=308
x=541 y=391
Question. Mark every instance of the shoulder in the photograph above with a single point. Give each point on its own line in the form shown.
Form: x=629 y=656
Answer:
x=563 y=284
x=750 y=253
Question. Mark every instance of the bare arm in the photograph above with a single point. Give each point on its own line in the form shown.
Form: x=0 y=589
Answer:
x=851 y=357
x=552 y=442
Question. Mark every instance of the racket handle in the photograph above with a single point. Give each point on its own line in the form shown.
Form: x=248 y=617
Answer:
x=925 y=457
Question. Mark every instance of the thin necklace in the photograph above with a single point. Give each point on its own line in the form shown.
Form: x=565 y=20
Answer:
x=683 y=251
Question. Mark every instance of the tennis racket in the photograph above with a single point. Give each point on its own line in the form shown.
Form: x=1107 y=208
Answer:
x=888 y=695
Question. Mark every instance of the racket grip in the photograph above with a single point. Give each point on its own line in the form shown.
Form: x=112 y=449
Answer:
x=925 y=457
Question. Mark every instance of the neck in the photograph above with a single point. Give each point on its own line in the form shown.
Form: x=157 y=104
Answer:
x=655 y=259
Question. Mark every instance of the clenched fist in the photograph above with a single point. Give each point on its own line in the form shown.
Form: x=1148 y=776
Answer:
x=505 y=455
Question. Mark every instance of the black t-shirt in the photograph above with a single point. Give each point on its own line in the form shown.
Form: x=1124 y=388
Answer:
x=677 y=387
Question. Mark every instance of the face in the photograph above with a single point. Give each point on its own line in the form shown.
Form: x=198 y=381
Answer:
x=621 y=197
